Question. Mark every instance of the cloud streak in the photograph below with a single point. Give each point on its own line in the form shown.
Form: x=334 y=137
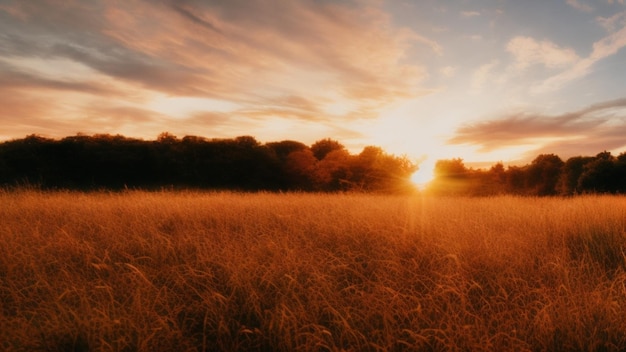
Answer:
x=580 y=6
x=191 y=16
x=528 y=51
x=469 y=14
x=601 y=49
x=261 y=56
x=598 y=126
x=28 y=82
x=309 y=68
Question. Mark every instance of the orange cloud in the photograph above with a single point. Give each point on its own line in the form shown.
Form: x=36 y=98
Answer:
x=27 y=112
x=247 y=49
x=276 y=57
x=601 y=126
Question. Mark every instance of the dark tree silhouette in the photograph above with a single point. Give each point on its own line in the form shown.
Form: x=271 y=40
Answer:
x=282 y=149
x=543 y=174
x=333 y=173
x=515 y=179
x=601 y=175
x=570 y=174
x=113 y=162
x=620 y=172
x=322 y=147
x=299 y=169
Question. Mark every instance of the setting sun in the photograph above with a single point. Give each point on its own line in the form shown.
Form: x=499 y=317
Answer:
x=424 y=174
x=456 y=80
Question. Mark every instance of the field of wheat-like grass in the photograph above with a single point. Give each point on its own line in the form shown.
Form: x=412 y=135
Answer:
x=188 y=271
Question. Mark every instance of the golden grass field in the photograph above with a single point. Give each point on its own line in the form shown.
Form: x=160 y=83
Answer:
x=190 y=271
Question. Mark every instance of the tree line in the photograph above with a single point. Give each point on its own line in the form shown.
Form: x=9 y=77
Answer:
x=116 y=162
x=546 y=175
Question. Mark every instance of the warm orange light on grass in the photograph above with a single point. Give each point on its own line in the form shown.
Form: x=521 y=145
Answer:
x=296 y=271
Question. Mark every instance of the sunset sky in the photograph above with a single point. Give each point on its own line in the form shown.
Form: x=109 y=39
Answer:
x=484 y=80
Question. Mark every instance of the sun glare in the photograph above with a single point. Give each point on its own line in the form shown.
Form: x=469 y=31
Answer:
x=424 y=174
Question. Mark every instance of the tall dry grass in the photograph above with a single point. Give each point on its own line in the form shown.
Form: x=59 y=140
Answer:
x=190 y=271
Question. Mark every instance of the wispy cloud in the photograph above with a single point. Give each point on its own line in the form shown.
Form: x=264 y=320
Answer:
x=263 y=51
x=528 y=51
x=613 y=22
x=28 y=82
x=603 y=48
x=194 y=18
x=580 y=6
x=599 y=123
x=262 y=56
x=483 y=75
x=469 y=14
x=448 y=71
